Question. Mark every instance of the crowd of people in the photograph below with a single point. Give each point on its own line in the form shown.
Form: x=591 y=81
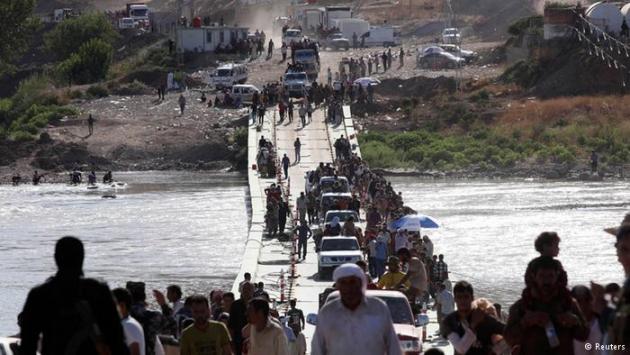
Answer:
x=71 y=314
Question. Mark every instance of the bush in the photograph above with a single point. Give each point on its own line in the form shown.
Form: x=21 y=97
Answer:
x=378 y=154
x=71 y=34
x=22 y=136
x=91 y=63
x=97 y=91
x=240 y=136
x=31 y=91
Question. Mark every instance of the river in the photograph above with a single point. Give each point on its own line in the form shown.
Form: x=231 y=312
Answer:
x=190 y=229
x=489 y=228
x=165 y=227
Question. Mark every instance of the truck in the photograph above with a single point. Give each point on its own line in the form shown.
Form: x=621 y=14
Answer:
x=332 y=13
x=312 y=19
x=139 y=12
x=386 y=36
x=296 y=83
x=309 y=61
x=350 y=27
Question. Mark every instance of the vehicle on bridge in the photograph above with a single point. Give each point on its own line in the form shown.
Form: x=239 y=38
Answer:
x=296 y=83
x=343 y=215
x=332 y=184
x=333 y=201
x=407 y=327
x=334 y=251
x=292 y=35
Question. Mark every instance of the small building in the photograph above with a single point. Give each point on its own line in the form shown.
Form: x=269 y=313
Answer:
x=205 y=39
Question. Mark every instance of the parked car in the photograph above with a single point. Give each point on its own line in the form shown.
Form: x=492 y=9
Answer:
x=337 y=41
x=457 y=51
x=229 y=74
x=451 y=36
x=335 y=251
x=245 y=92
x=439 y=60
x=407 y=327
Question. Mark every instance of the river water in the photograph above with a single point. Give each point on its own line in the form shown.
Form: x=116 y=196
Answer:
x=190 y=229
x=489 y=228
x=165 y=227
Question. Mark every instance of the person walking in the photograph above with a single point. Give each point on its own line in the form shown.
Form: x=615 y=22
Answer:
x=270 y=49
x=238 y=316
x=384 y=57
x=303 y=232
x=416 y=274
x=70 y=314
x=309 y=112
x=267 y=337
x=301 y=205
x=285 y=165
x=290 y=111
x=469 y=329
x=182 y=103
x=389 y=58
x=90 y=122
x=402 y=57
x=340 y=320
x=329 y=77
x=298 y=146
x=546 y=319
x=134 y=335
x=261 y=114
x=204 y=336
x=283 y=50
x=302 y=113
x=283 y=213
x=281 y=110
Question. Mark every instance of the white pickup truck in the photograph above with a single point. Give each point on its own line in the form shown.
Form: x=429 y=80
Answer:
x=335 y=251
x=296 y=84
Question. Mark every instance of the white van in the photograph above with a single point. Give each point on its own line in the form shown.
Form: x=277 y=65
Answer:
x=292 y=35
x=245 y=92
x=386 y=36
x=229 y=75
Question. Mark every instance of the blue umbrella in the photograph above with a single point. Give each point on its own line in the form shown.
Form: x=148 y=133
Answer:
x=414 y=222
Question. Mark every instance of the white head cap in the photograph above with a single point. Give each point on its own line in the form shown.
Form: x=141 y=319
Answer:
x=350 y=270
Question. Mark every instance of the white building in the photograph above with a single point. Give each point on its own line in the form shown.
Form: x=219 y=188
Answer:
x=207 y=39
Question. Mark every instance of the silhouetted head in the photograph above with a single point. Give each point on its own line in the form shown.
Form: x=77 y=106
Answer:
x=69 y=254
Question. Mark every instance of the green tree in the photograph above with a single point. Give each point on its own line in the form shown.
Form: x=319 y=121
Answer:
x=71 y=34
x=91 y=63
x=16 y=27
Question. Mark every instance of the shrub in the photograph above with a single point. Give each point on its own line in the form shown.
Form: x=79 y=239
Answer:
x=22 y=136
x=97 y=91
x=415 y=154
x=240 y=136
x=378 y=154
x=91 y=63
x=73 y=33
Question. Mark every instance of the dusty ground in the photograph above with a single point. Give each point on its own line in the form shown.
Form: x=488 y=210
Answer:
x=142 y=133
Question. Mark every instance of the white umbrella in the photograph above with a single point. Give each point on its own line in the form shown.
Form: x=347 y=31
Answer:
x=367 y=81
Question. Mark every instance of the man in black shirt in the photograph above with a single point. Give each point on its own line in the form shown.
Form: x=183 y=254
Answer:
x=74 y=315
x=238 y=316
x=471 y=331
